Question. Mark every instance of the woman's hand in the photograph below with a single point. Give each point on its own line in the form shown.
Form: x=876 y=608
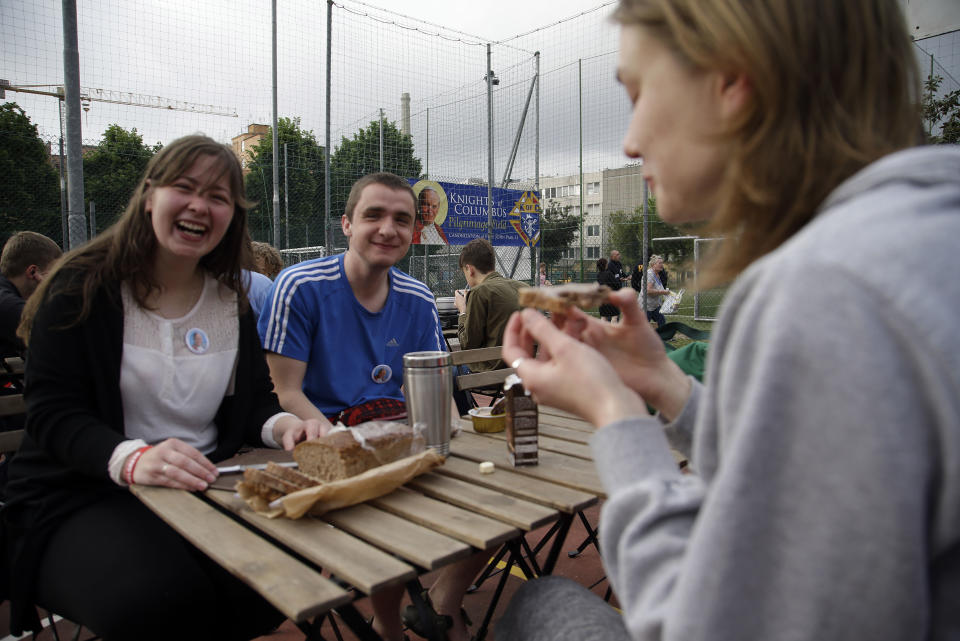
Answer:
x=567 y=373
x=634 y=351
x=290 y=430
x=637 y=354
x=173 y=463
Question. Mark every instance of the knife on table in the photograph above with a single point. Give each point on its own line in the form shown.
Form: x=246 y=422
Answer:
x=232 y=469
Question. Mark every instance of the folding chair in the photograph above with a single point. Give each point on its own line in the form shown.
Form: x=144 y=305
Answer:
x=487 y=383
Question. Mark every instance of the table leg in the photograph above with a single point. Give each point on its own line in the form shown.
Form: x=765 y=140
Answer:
x=564 y=527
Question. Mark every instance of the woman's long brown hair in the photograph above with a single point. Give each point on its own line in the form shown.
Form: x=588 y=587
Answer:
x=835 y=87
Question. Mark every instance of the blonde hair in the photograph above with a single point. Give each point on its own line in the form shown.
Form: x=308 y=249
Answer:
x=835 y=86
x=267 y=259
x=125 y=251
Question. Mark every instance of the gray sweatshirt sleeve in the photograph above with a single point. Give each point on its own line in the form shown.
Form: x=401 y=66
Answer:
x=810 y=518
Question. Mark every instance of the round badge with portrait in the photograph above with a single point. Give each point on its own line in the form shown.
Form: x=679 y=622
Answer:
x=381 y=373
x=197 y=341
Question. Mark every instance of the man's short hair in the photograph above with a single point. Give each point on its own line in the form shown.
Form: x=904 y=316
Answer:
x=479 y=253
x=384 y=178
x=27 y=248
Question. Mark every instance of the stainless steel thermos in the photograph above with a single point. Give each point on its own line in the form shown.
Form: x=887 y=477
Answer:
x=428 y=389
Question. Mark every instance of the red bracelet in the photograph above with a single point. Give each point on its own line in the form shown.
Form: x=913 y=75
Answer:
x=132 y=463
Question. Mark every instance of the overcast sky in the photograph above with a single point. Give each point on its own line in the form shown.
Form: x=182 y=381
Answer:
x=493 y=19
x=217 y=52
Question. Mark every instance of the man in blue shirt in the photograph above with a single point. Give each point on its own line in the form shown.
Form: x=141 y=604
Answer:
x=336 y=329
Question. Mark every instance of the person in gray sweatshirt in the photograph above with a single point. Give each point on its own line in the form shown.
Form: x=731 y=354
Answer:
x=825 y=441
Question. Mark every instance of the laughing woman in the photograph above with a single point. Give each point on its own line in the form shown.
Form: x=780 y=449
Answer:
x=826 y=436
x=144 y=367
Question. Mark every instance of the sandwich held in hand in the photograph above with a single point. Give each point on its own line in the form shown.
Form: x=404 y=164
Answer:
x=560 y=298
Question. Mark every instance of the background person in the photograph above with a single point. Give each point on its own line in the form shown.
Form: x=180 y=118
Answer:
x=267 y=259
x=118 y=393
x=26 y=258
x=824 y=452
x=655 y=291
x=636 y=279
x=487 y=305
x=606 y=277
x=616 y=268
x=543 y=276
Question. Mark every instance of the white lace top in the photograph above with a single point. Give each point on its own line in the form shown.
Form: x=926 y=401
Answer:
x=175 y=372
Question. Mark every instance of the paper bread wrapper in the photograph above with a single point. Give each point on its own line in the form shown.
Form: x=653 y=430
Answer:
x=323 y=498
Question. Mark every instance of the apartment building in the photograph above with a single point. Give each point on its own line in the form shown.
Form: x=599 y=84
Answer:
x=243 y=143
x=603 y=192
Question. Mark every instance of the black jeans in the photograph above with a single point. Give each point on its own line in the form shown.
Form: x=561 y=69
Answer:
x=119 y=570
x=655 y=315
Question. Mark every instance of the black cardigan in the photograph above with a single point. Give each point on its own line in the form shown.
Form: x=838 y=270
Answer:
x=75 y=421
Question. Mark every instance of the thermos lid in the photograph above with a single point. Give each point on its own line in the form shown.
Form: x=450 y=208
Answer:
x=426 y=359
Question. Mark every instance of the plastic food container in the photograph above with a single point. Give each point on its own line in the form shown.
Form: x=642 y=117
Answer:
x=484 y=421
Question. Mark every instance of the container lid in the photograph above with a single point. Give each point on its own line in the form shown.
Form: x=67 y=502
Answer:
x=426 y=359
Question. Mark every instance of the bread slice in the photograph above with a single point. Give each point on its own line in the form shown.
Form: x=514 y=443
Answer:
x=339 y=455
x=560 y=298
x=277 y=481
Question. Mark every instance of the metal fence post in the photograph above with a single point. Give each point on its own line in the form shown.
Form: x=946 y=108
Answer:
x=326 y=151
x=276 y=137
x=489 y=80
x=646 y=246
x=286 y=201
x=76 y=221
x=580 y=129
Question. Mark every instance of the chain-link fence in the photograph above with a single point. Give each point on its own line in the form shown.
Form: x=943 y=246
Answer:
x=538 y=112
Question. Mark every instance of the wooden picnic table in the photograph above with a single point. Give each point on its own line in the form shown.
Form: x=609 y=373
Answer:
x=434 y=520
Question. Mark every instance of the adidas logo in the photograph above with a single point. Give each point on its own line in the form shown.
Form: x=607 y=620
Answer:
x=393 y=343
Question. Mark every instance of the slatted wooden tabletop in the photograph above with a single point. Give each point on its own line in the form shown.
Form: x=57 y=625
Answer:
x=436 y=519
x=575 y=473
x=546 y=440
x=292 y=587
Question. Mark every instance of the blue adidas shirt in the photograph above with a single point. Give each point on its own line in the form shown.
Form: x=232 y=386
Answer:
x=352 y=355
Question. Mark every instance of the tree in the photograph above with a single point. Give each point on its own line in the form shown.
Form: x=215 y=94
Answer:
x=304 y=179
x=360 y=155
x=112 y=170
x=626 y=235
x=943 y=112
x=29 y=184
x=558 y=229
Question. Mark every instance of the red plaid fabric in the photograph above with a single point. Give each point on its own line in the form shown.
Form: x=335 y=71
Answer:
x=379 y=409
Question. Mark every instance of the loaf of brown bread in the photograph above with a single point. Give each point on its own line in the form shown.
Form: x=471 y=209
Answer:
x=340 y=455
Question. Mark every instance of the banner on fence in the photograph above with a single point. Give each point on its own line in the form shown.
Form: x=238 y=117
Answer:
x=455 y=214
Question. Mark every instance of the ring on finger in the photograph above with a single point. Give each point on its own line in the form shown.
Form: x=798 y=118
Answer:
x=516 y=363
x=163 y=470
